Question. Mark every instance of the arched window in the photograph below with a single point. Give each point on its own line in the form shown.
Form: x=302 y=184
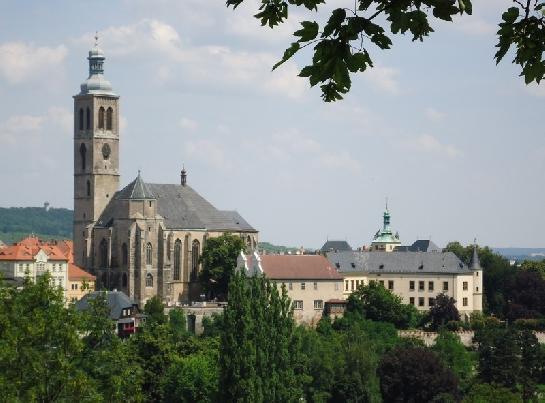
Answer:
x=101 y=118
x=177 y=258
x=124 y=254
x=195 y=251
x=104 y=253
x=124 y=281
x=88 y=188
x=83 y=155
x=109 y=118
x=88 y=120
x=148 y=253
x=80 y=120
x=149 y=280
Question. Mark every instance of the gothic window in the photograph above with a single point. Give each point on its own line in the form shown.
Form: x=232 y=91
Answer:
x=109 y=118
x=195 y=251
x=106 y=151
x=88 y=188
x=177 y=258
x=148 y=254
x=124 y=281
x=83 y=155
x=104 y=253
x=124 y=254
x=101 y=118
x=80 y=121
x=149 y=280
x=88 y=120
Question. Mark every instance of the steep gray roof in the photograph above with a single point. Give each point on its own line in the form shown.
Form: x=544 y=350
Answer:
x=333 y=246
x=136 y=190
x=117 y=301
x=183 y=208
x=420 y=245
x=398 y=262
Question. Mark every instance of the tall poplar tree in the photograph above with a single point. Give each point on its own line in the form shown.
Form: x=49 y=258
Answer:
x=258 y=349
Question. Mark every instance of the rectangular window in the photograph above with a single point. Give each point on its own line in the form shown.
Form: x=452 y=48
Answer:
x=430 y=286
x=346 y=285
x=411 y=300
x=390 y=284
x=315 y=286
x=431 y=301
x=303 y=285
x=411 y=285
x=336 y=286
x=445 y=285
x=464 y=301
x=290 y=286
x=420 y=301
x=318 y=304
x=381 y=282
x=297 y=304
x=421 y=286
x=464 y=285
x=352 y=285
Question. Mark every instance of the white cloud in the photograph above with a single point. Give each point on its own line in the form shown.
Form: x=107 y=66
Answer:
x=473 y=25
x=178 y=62
x=383 y=78
x=34 y=125
x=430 y=144
x=211 y=152
x=22 y=61
x=188 y=124
x=433 y=114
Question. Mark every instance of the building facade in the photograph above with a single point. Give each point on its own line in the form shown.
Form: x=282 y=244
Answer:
x=416 y=277
x=145 y=239
x=310 y=280
x=32 y=258
x=80 y=283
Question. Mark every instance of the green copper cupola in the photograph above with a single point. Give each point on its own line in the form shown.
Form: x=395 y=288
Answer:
x=96 y=83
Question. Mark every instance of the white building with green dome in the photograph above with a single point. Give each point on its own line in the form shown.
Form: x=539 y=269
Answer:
x=385 y=240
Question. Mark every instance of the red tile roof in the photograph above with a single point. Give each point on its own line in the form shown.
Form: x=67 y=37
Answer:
x=29 y=247
x=77 y=274
x=300 y=267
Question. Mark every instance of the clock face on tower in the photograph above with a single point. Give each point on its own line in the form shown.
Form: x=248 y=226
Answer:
x=106 y=151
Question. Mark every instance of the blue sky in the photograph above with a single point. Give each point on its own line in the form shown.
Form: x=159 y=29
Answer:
x=454 y=142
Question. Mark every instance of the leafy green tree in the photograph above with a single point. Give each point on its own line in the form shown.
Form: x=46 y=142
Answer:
x=537 y=266
x=258 y=348
x=40 y=346
x=219 y=260
x=376 y=303
x=486 y=393
x=177 y=324
x=415 y=374
x=192 y=379
x=532 y=363
x=155 y=311
x=526 y=296
x=106 y=358
x=341 y=45
x=454 y=355
x=442 y=312
x=212 y=325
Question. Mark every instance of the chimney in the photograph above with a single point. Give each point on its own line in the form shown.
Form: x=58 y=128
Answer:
x=183 y=176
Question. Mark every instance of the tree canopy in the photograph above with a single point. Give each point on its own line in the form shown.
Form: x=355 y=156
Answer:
x=341 y=45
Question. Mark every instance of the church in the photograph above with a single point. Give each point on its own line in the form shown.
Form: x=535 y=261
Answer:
x=145 y=239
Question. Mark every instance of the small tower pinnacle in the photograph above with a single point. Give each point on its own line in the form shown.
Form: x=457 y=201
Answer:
x=475 y=264
x=183 y=176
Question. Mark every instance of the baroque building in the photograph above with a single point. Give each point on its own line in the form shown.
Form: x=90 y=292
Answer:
x=145 y=239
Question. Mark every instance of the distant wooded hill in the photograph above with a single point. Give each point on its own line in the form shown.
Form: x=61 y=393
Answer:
x=18 y=222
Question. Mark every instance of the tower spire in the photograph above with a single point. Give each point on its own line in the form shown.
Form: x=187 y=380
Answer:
x=475 y=264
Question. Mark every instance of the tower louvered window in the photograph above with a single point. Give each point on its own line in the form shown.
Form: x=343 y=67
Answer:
x=109 y=118
x=101 y=118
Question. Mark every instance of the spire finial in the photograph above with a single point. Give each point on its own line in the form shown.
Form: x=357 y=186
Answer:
x=386 y=203
x=96 y=38
x=183 y=176
x=138 y=172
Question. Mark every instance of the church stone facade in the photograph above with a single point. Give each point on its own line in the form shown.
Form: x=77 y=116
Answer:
x=145 y=239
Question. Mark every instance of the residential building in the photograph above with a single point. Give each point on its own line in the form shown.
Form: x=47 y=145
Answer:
x=145 y=239
x=32 y=258
x=417 y=277
x=123 y=311
x=80 y=283
x=310 y=280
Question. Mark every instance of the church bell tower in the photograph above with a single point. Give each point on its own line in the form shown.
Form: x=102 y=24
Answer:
x=96 y=152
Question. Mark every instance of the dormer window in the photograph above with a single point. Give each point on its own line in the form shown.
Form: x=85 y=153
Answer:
x=338 y=265
x=381 y=267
